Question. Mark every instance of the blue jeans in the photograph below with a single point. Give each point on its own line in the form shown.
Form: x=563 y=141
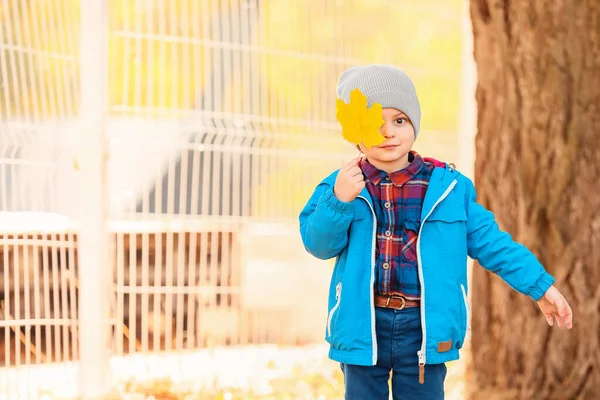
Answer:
x=398 y=339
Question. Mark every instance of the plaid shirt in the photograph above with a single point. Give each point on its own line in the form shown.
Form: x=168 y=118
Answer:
x=398 y=199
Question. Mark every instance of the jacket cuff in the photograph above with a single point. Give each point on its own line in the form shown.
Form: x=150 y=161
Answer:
x=541 y=286
x=336 y=204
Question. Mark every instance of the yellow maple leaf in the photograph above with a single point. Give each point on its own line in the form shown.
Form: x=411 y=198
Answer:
x=359 y=123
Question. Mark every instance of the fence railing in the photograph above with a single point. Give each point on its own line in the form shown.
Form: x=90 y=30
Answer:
x=154 y=157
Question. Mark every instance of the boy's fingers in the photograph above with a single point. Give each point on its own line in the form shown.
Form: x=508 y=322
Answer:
x=570 y=318
x=561 y=322
x=550 y=319
x=352 y=163
x=358 y=178
x=562 y=308
x=355 y=171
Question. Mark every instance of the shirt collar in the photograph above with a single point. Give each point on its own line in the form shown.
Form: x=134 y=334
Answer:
x=398 y=178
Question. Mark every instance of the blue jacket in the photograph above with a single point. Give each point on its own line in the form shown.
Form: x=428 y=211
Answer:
x=453 y=226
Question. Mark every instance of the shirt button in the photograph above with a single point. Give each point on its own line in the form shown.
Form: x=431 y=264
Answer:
x=388 y=233
x=385 y=265
x=387 y=204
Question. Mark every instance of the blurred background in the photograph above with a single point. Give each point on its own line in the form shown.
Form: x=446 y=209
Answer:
x=154 y=158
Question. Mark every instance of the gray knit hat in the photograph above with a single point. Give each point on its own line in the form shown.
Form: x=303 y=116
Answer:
x=383 y=84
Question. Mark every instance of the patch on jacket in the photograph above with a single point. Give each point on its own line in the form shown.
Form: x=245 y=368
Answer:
x=444 y=346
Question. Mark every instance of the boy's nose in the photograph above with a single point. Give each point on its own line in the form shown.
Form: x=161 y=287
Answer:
x=384 y=131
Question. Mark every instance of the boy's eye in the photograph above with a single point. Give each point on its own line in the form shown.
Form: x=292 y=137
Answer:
x=400 y=121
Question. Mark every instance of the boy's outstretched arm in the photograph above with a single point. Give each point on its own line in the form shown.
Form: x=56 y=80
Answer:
x=514 y=263
x=325 y=219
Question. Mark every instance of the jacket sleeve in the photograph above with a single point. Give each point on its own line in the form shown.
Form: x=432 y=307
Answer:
x=324 y=223
x=496 y=251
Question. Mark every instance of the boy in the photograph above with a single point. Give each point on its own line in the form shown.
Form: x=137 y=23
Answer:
x=401 y=228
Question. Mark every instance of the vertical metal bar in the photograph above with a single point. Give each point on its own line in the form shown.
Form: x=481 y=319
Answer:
x=157 y=309
x=7 y=109
x=27 y=248
x=130 y=289
x=47 y=302
x=139 y=83
x=127 y=54
x=6 y=302
x=236 y=295
x=58 y=98
x=202 y=282
x=250 y=156
x=120 y=311
x=213 y=268
x=18 y=60
x=64 y=301
x=176 y=271
x=226 y=288
x=33 y=101
x=168 y=309
x=179 y=310
x=468 y=106
x=193 y=249
x=93 y=239
x=181 y=253
x=55 y=297
x=66 y=17
x=187 y=60
x=46 y=88
x=192 y=297
x=166 y=50
x=17 y=290
x=467 y=125
x=3 y=166
x=204 y=238
x=37 y=265
x=146 y=286
x=72 y=274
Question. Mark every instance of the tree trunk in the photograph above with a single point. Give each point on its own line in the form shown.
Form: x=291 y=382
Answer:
x=538 y=169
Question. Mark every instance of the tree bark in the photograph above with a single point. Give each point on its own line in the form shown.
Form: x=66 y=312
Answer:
x=538 y=169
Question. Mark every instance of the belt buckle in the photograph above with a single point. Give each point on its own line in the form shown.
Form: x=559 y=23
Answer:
x=387 y=304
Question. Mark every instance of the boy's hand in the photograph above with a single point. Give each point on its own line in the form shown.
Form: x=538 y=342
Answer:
x=349 y=182
x=554 y=305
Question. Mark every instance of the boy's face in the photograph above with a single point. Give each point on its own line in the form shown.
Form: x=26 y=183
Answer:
x=399 y=137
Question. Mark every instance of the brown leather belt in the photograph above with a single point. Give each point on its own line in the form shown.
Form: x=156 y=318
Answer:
x=395 y=302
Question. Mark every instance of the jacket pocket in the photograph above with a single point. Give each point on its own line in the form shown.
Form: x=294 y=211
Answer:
x=467 y=309
x=448 y=212
x=447 y=228
x=338 y=297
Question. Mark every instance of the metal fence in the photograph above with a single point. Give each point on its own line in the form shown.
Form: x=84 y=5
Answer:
x=154 y=156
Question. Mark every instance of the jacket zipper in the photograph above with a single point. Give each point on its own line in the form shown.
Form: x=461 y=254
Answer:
x=372 y=286
x=467 y=307
x=421 y=353
x=338 y=297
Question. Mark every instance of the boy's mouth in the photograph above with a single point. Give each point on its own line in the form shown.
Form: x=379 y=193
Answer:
x=388 y=146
